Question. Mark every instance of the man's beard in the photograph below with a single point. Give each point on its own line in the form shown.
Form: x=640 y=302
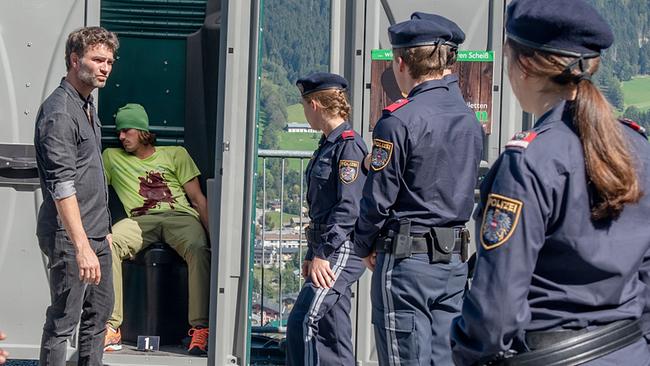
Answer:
x=86 y=76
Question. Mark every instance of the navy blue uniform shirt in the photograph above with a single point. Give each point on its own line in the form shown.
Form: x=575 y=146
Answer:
x=335 y=177
x=542 y=262
x=425 y=158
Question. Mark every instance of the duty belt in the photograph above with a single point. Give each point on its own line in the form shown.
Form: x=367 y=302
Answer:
x=313 y=233
x=440 y=243
x=569 y=348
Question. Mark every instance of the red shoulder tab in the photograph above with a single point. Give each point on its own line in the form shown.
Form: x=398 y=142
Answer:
x=633 y=125
x=347 y=134
x=397 y=105
x=522 y=139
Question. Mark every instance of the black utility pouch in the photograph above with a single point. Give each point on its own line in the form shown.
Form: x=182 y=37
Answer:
x=402 y=241
x=443 y=244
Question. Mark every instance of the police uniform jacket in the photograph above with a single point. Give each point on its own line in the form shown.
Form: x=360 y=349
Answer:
x=335 y=177
x=543 y=264
x=425 y=158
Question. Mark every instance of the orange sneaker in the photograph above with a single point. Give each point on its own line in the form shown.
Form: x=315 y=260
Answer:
x=113 y=339
x=199 y=343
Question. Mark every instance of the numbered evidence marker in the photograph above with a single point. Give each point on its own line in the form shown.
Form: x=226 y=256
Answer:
x=148 y=343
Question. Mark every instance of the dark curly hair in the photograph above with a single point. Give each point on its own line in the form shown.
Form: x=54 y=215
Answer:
x=82 y=39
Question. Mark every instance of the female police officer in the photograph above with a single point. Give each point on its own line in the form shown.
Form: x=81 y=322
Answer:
x=319 y=329
x=563 y=215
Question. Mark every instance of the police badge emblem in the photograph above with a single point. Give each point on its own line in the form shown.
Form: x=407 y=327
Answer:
x=522 y=139
x=381 y=153
x=348 y=171
x=500 y=219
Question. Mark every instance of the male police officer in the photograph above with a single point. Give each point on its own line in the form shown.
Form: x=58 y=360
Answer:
x=416 y=200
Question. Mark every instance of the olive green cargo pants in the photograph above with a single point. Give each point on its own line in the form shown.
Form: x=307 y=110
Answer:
x=185 y=234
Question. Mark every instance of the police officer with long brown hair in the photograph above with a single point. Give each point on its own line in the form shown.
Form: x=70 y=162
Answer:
x=563 y=213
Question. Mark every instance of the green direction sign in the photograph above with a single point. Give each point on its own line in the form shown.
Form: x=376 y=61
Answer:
x=475 y=56
x=464 y=56
x=382 y=55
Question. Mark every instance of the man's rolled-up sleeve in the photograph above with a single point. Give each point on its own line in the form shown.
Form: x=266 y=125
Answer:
x=57 y=140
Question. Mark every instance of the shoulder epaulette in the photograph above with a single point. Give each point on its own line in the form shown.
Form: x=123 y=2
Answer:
x=635 y=126
x=397 y=105
x=347 y=134
x=522 y=139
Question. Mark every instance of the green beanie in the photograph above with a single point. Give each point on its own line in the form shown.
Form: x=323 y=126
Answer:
x=132 y=115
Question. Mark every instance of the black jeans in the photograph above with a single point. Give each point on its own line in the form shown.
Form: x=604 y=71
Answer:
x=71 y=297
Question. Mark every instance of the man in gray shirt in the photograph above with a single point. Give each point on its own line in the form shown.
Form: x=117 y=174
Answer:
x=73 y=221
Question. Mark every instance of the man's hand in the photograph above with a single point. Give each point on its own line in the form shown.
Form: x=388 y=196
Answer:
x=306 y=269
x=371 y=261
x=89 y=270
x=3 y=354
x=321 y=274
x=109 y=238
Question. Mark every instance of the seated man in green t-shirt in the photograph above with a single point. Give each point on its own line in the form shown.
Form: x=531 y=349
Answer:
x=152 y=183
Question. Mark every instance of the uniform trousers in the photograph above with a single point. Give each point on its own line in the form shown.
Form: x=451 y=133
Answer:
x=319 y=330
x=70 y=298
x=185 y=234
x=413 y=304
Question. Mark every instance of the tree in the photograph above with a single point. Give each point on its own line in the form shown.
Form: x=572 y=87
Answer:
x=644 y=59
x=611 y=87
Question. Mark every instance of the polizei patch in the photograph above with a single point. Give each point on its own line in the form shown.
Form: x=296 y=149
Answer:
x=381 y=153
x=500 y=219
x=348 y=171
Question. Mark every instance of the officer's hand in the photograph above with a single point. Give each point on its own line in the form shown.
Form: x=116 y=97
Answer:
x=371 y=261
x=109 y=238
x=321 y=274
x=89 y=271
x=3 y=354
x=306 y=269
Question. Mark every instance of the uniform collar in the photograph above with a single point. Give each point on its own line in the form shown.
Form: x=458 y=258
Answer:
x=450 y=78
x=559 y=112
x=65 y=84
x=338 y=131
x=428 y=85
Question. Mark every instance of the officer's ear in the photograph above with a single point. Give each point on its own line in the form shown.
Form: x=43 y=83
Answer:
x=401 y=65
x=314 y=105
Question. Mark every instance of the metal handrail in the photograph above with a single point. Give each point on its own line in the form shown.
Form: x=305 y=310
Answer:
x=283 y=155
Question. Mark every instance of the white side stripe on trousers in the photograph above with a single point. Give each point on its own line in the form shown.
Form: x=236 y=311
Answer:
x=310 y=345
x=389 y=311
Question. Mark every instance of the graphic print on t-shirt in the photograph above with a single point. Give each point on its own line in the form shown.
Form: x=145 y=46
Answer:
x=155 y=190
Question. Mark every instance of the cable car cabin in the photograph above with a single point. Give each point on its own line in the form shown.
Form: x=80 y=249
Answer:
x=216 y=77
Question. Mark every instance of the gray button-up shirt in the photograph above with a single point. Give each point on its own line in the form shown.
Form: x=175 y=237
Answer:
x=68 y=154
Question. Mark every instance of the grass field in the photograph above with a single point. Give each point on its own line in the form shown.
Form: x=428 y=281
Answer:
x=299 y=141
x=295 y=113
x=274 y=217
x=636 y=92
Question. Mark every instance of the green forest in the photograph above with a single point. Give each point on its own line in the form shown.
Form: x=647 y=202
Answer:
x=295 y=41
x=624 y=65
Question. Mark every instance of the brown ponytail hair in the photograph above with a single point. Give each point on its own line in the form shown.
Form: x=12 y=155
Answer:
x=608 y=162
x=333 y=101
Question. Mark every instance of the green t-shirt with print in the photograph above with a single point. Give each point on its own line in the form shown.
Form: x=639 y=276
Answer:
x=154 y=184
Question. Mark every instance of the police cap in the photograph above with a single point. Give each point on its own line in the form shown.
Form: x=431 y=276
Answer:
x=564 y=27
x=418 y=32
x=320 y=81
x=457 y=34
